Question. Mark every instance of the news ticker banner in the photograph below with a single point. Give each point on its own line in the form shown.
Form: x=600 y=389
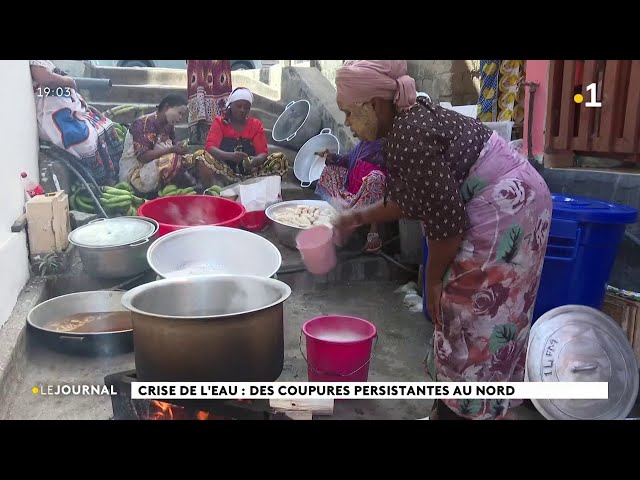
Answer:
x=370 y=390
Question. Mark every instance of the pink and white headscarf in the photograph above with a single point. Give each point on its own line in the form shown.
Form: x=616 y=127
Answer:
x=361 y=80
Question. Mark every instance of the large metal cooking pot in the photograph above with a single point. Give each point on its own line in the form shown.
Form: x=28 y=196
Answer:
x=115 y=247
x=110 y=341
x=213 y=328
x=307 y=166
x=188 y=252
x=287 y=233
x=297 y=124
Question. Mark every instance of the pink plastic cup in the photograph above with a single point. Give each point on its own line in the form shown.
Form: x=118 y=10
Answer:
x=317 y=249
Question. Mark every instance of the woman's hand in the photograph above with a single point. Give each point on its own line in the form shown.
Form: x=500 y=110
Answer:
x=329 y=157
x=238 y=157
x=179 y=148
x=434 y=294
x=256 y=163
x=345 y=224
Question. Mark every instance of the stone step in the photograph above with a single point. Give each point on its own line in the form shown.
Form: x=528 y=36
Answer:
x=268 y=119
x=153 y=94
x=142 y=76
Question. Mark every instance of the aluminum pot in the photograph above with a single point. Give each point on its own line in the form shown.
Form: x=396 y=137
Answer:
x=297 y=124
x=209 y=328
x=109 y=342
x=307 y=166
x=287 y=234
x=116 y=247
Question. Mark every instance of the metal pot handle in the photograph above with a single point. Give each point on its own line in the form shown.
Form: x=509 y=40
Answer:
x=289 y=104
x=141 y=242
x=291 y=137
x=325 y=130
x=305 y=184
x=66 y=337
x=332 y=374
x=97 y=220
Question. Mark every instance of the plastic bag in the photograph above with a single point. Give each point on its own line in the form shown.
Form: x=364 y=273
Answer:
x=256 y=194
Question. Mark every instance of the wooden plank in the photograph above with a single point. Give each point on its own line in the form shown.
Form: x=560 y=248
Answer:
x=567 y=107
x=587 y=115
x=636 y=335
x=604 y=141
x=629 y=141
x=559 y=160
x=316 y=407
x=20 y=224
x=555 y=69
x=626 y=313
x=293 y=415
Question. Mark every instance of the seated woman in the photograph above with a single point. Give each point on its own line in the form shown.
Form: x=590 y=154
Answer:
x=151 y=159
x=236 y=146
x=66 y=121
x=354 y=181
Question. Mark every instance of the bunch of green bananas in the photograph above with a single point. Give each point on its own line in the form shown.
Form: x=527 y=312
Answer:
x=214 y=191
x=121 y=131
x=172 y=191
x=117 y=200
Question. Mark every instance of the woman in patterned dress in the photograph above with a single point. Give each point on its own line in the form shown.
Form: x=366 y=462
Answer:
x=355 y=180
x=486 y=214
x=209 y=86
x=151 y=158
x=67 y=121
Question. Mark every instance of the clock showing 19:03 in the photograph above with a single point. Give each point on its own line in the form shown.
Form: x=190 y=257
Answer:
x=53 y=92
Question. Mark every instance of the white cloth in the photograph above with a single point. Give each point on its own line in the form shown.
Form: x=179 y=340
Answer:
x=240 y=94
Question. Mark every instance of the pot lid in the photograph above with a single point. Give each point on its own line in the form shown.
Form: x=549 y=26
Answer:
x=576 y=343
x=583 y=209
x=291 y=120
x=111 y=232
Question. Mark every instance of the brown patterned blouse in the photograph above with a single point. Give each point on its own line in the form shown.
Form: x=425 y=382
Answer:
x=429 y=153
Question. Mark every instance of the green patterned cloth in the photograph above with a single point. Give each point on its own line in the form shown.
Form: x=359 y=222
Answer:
x=635 y=296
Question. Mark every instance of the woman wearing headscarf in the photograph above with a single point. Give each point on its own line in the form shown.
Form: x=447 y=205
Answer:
x=236 y=146
x=486 y=213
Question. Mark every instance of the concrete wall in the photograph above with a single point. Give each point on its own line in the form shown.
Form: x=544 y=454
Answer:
x=328 y=69
x=311 y=84
x=19 y=140
x=455 y=81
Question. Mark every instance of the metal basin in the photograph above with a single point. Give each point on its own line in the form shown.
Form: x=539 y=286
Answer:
x=115 y=248
x=307 y=166
x=55 y=309
x=213 y=250
x=210 y=328
x=287 y=234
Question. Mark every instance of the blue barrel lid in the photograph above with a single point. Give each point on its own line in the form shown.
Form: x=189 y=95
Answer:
x=584 y=209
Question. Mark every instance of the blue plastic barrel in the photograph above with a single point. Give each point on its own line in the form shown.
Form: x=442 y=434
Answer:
x=583 y=242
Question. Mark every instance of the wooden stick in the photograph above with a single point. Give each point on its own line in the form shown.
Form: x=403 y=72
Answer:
x=316 y=407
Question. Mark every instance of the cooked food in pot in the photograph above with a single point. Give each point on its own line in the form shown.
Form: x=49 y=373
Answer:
x=93 y=322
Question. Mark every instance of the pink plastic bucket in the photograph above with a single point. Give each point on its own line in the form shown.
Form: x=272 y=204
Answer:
x=317 y=249
x=339 y=348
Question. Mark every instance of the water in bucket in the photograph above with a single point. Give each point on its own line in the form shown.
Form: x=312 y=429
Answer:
x=339 y=348
x=317 y=249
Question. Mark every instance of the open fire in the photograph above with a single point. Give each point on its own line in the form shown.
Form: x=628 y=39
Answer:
x=127 y=408
x=166 y=411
